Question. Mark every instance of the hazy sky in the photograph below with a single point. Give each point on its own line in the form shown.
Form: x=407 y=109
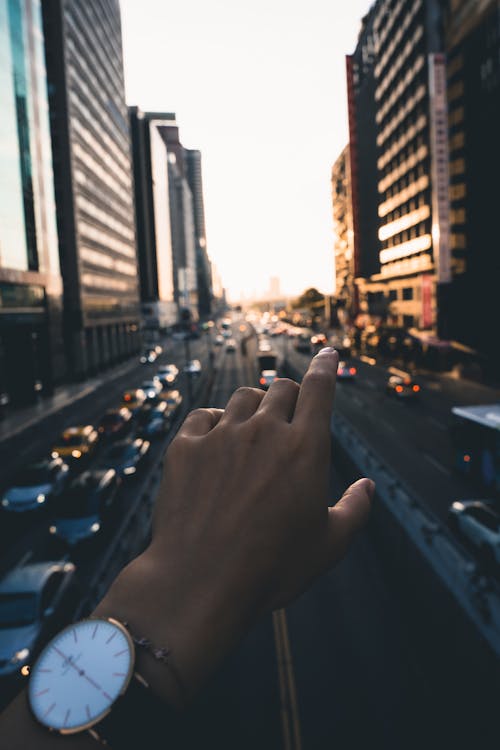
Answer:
x=259 y=87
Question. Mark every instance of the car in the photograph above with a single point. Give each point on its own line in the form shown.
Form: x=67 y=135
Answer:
x=83 y=507
x=115 y=423
x=153 y=420
x=345 y=371
x=230 y=345
x=134 y=399
x=35 y=486
x=193 y=367
x=168 y=374
x=478 y=521
x=173 y=399
x=318 y=340
x=76 y=445
x=148 y=356
x=152 y=346
x=180 y=335
x=152 y=387
x=127 y=457
x=31 y=598
x=401 y=385
x=219 y=340
x=267 y=377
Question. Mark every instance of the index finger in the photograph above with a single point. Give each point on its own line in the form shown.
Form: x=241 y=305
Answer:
x=317 y=390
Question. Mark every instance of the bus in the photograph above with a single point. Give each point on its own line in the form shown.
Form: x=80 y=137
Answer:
x=475 y=438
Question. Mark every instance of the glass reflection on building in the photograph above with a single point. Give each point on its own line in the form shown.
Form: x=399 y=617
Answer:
x=30 y=324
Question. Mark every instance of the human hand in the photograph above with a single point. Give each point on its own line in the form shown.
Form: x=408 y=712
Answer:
x=242 y=522
x=244 y=500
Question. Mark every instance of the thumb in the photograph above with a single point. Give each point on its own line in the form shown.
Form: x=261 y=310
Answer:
x=348 y=516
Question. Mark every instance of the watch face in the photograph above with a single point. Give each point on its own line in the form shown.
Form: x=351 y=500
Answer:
x=80 y=673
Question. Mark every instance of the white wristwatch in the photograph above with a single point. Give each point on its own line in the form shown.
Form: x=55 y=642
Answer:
x=84 y=680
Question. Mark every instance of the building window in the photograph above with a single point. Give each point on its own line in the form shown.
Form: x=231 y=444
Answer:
x=408 y=292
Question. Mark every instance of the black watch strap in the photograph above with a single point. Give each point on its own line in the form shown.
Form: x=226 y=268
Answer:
x=140 y=720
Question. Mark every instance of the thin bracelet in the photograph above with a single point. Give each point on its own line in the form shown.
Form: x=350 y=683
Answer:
x=161 y=654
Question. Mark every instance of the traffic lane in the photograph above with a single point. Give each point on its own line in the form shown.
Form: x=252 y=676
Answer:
x=354 y=668
x=36 y=441
x=403 y=440
x=14 y=530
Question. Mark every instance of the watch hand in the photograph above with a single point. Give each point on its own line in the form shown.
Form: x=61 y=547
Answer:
x=81 y=672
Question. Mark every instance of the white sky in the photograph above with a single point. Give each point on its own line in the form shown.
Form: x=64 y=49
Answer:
x=259 y=87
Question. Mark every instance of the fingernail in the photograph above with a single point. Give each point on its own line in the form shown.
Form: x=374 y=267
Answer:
x=326 y=350
x=370 y=488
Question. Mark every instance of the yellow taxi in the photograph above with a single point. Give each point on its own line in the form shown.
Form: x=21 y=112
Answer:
x=76 y=443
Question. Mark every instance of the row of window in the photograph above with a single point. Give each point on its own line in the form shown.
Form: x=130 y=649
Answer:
x=404 y=166
x=396 y=147
x=396 y=40
x=403 y=87
x=401 y=59
x=410 y=103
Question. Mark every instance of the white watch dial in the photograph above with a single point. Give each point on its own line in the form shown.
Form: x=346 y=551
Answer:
x=80 y=673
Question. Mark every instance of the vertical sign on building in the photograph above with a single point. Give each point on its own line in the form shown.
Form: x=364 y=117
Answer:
x=439 y=167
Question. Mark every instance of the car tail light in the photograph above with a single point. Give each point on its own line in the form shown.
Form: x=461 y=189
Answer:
x=352 y=370
x=466 y=458
x=399 y=389
x=416 y=388
x=262 y=381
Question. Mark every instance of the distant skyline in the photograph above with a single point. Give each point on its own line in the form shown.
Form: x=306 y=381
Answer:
x=260 y=89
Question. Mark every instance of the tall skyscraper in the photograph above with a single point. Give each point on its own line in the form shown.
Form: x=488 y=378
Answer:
x=410 y=116
x=472 y=32
x=203 y=267
x=345 y=290
x=182 y=217
x=363 y=152
x=154 y=233
x=93 y=177
x=31 y=353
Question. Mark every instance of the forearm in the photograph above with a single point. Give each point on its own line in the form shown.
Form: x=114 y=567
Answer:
x=196 y=626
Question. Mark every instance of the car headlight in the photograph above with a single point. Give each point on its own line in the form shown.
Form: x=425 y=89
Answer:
x=95 y=527
x=20 y=655
x=53 y=529
x=5 y=502
x=76 y=454
x=40 y=498
x=129 y=470
x=54 y=454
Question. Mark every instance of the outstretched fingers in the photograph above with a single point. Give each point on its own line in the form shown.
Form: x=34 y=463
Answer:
x=347 y=517
x=317 y=391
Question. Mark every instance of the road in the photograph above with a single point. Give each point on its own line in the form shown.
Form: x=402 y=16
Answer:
x=347 y=665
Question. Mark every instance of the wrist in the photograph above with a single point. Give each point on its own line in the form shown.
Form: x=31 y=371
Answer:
x=180 y=613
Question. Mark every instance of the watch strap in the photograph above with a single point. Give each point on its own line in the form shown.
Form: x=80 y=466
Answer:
x=139 y=719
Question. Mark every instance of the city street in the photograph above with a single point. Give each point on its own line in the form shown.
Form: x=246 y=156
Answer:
x=348 y=663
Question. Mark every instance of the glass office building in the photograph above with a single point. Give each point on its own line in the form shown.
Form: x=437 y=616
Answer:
x=31 y=351
x=93 y=178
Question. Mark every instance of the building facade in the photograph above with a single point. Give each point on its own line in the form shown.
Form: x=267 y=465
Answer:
x=412 y=164
x=182 y=219
x=31 y=352
x=154 y=238
x=203 y=269
x=363 y=153
x=472 y=33
x=345 y=289
x=93 y=179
